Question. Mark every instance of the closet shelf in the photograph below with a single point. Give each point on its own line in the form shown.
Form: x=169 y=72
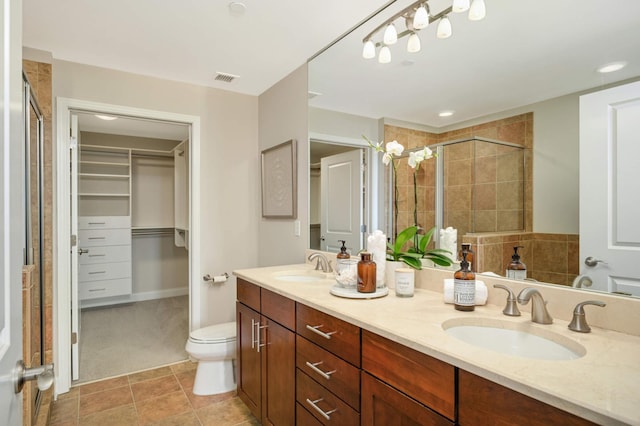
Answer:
x=104 y=163
x=101 y=194
x=103 y=175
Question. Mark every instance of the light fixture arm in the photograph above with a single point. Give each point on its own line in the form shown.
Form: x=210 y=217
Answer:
x=406 y=13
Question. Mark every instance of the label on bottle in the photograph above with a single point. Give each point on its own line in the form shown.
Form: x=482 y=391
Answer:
x=516 y=274
x=464 y=292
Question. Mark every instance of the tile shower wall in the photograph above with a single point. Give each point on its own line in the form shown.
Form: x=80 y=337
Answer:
x=551 y=258
x=39 y=75
x=483 y=182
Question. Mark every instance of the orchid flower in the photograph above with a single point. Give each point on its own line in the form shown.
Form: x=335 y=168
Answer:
x=417 y=157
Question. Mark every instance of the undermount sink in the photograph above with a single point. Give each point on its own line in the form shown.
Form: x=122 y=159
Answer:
x=300 y=275
x=512 y=338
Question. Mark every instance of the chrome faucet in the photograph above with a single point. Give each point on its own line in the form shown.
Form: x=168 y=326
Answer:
x=321 y=262
x=539 y=313
x=582 y=281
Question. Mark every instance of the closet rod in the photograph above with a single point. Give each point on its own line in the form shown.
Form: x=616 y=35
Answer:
x=161 y=156
x=152 y=231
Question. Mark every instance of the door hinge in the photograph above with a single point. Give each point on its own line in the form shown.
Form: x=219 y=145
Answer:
x=363 y=228
x=74 y=240
x=73 y=142
x=74 y=338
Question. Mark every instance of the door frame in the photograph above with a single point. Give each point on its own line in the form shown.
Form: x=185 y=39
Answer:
x=372 y=206
x=61 y=213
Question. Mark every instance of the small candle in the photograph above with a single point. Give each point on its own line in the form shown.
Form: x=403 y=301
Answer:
x=405 y=282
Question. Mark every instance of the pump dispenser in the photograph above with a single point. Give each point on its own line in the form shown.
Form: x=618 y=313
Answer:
x=516 y=269
x=343 y=251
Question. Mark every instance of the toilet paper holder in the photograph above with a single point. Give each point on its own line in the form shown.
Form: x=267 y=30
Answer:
x=216 y=278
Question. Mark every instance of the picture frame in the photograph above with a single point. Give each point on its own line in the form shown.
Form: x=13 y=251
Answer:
x=279 y=181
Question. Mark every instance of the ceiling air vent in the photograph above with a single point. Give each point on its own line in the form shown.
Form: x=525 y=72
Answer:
x=223 y=76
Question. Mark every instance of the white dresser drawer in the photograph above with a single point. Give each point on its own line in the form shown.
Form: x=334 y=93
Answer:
x=105 y=254
x=104 y=237
x=104 y=222
x=104 y=271
x=108 y=288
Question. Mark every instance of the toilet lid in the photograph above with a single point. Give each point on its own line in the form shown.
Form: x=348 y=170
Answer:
x=215 y=333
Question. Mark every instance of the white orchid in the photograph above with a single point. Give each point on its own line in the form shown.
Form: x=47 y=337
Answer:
x=392 y=149
x=417 y=157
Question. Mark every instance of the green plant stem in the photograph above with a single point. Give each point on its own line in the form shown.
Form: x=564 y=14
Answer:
x=395 y=200
x=415 y=206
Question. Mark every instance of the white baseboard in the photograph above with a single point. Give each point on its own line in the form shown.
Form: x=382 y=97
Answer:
x=136 y=297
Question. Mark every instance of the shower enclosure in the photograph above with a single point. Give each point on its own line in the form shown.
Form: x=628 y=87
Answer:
x=475 y=185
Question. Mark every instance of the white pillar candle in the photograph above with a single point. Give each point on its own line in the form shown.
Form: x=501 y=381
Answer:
x=405 y=282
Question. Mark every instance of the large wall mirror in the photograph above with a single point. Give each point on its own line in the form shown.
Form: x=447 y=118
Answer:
x=526 y=61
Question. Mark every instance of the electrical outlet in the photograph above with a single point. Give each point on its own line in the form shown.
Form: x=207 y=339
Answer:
x=296 y=228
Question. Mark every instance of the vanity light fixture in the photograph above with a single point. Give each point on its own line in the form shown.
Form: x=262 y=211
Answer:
x=416 y=17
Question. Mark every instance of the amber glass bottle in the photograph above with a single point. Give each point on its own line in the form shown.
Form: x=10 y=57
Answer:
x=467 y=247
x=366 y=273
x=464 y=286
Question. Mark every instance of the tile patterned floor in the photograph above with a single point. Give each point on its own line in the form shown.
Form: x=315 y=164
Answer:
x=162 y=396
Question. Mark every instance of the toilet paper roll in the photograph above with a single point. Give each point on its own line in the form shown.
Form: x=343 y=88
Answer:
x=481 y=292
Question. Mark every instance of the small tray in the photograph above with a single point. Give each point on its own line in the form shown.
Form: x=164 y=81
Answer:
x=352 y=293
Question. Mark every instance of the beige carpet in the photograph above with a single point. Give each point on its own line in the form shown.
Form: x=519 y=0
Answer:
x=126 y=338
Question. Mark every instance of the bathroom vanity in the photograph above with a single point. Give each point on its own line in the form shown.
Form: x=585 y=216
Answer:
x=375 y=361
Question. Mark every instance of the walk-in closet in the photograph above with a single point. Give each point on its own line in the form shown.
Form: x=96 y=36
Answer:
x=132 y=192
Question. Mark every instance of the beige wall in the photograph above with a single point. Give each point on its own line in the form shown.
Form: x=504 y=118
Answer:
x=283 y=116
x=229 y=172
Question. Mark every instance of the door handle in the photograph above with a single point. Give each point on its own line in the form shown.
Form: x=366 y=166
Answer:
x=43 y=374
x=592 y=261
x=81 y=251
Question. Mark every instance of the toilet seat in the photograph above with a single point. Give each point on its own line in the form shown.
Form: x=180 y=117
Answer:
x=218 y=333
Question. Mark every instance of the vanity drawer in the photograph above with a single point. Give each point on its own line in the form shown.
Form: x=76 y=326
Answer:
x=278 y=308
x=303 y=418
x=332 y=334
x=423 y=378
x=107 y=288
x=105 y=254
x=104 y=271
x=338 y=376
x=315 y=399
x=248 y=294
x=104 y=222
x=104 y=237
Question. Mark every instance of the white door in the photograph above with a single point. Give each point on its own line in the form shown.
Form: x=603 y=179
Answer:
x=609 y=189
x=341 y=201
x=12 y=223
x=75 y=302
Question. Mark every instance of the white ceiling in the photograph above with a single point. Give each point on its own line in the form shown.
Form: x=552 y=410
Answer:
x=524 y=51
x=191 y=40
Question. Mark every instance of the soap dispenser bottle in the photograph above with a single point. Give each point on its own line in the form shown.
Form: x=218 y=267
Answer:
x=516 y=269
x=343 y=251
x=464 y=286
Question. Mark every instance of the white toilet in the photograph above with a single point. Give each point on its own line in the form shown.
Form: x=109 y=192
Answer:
x=214 y=347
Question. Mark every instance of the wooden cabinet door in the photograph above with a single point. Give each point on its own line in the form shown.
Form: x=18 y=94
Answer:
x=248 y=359
x=484 y=402
x=278 y=374
x=383 y=405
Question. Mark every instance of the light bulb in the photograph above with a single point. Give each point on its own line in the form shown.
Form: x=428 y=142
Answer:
x=421 y=18
x=390 y=35
x=384 y=57
x=460 y=6
x=369 y=50
x=413 y=44
x=477 y=11
x=444 y=28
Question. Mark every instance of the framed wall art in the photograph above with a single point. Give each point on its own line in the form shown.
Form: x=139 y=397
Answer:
x=279 y=177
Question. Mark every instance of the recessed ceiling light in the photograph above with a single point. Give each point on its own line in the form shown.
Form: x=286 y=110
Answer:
x=445 y=114
x=106 y=117
x=237 y=8
x=612 y=66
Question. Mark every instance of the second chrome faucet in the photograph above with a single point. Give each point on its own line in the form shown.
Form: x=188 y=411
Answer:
x=539 y=313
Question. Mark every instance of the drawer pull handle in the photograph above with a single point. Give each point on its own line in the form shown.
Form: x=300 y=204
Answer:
x=96 y=238
x=315 y=328
x=97 y=289
x=97 y=272
x=97 y=223
x=315 y=368
x=96 y=255
x=324 y=414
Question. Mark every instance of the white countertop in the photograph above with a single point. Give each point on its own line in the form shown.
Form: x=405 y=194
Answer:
x=602 y=386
